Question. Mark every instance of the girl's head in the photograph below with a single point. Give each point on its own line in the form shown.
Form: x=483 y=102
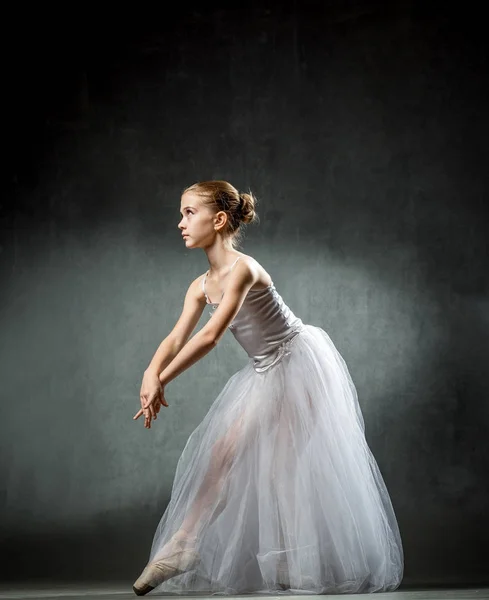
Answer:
x=212 y=208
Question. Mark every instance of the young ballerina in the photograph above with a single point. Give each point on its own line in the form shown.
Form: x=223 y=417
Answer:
x=276 y=491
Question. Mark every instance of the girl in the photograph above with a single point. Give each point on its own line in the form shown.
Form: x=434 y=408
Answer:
x=276 y=490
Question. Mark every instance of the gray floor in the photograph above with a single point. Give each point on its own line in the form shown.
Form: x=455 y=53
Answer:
x=119 y=592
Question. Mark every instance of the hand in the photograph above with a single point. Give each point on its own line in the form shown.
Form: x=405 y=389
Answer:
x=152 y=397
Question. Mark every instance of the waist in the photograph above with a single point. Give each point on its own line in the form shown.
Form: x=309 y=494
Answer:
x=267 y=350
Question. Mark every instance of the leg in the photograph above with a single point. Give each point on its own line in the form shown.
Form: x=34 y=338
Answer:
x=224 y=452
x=222 y=457
x=179 y=555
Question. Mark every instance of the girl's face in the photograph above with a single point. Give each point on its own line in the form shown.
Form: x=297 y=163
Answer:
x=197 y=223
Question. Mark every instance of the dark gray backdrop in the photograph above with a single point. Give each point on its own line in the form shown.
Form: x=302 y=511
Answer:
x=362 y=128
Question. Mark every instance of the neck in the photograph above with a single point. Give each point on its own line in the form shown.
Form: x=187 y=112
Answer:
x=220 y=256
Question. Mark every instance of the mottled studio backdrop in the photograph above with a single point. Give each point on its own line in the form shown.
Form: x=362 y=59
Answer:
x=362 y=128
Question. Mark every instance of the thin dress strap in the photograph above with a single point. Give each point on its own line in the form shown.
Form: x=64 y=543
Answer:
x=203 y=288
x=234 y=263
x=204 y=280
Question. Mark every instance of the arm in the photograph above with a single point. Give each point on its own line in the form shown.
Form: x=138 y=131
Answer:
x=192 y=310
x=241 y=280
x=165 y=353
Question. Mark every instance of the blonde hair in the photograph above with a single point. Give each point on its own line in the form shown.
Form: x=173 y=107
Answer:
x=221 y=195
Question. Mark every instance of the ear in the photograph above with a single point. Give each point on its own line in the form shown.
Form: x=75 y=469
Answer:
x=220 y=220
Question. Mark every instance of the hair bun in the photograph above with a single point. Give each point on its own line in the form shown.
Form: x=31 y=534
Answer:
x=247 y=204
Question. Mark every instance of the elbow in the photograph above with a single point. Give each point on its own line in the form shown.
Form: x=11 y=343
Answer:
x=211 y=337
x=176 y=345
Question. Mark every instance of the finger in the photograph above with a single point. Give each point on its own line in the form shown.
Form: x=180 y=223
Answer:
x=149 y=406
x=138 y=414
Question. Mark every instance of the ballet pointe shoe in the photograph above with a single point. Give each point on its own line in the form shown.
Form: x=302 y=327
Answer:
x=178 y=559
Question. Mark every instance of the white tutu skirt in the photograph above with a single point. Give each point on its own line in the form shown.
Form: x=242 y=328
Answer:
x=280 y=488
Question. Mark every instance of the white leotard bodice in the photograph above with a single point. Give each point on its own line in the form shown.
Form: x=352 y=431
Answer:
x=264 y=325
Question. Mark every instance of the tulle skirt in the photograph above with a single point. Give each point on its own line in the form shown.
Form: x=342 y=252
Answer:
x=280 y=488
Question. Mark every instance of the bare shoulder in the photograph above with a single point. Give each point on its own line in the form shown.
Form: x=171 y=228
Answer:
x=195 y=289
x=256 y=270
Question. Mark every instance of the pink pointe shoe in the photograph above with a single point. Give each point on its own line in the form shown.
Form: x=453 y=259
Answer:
x=179 y=557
